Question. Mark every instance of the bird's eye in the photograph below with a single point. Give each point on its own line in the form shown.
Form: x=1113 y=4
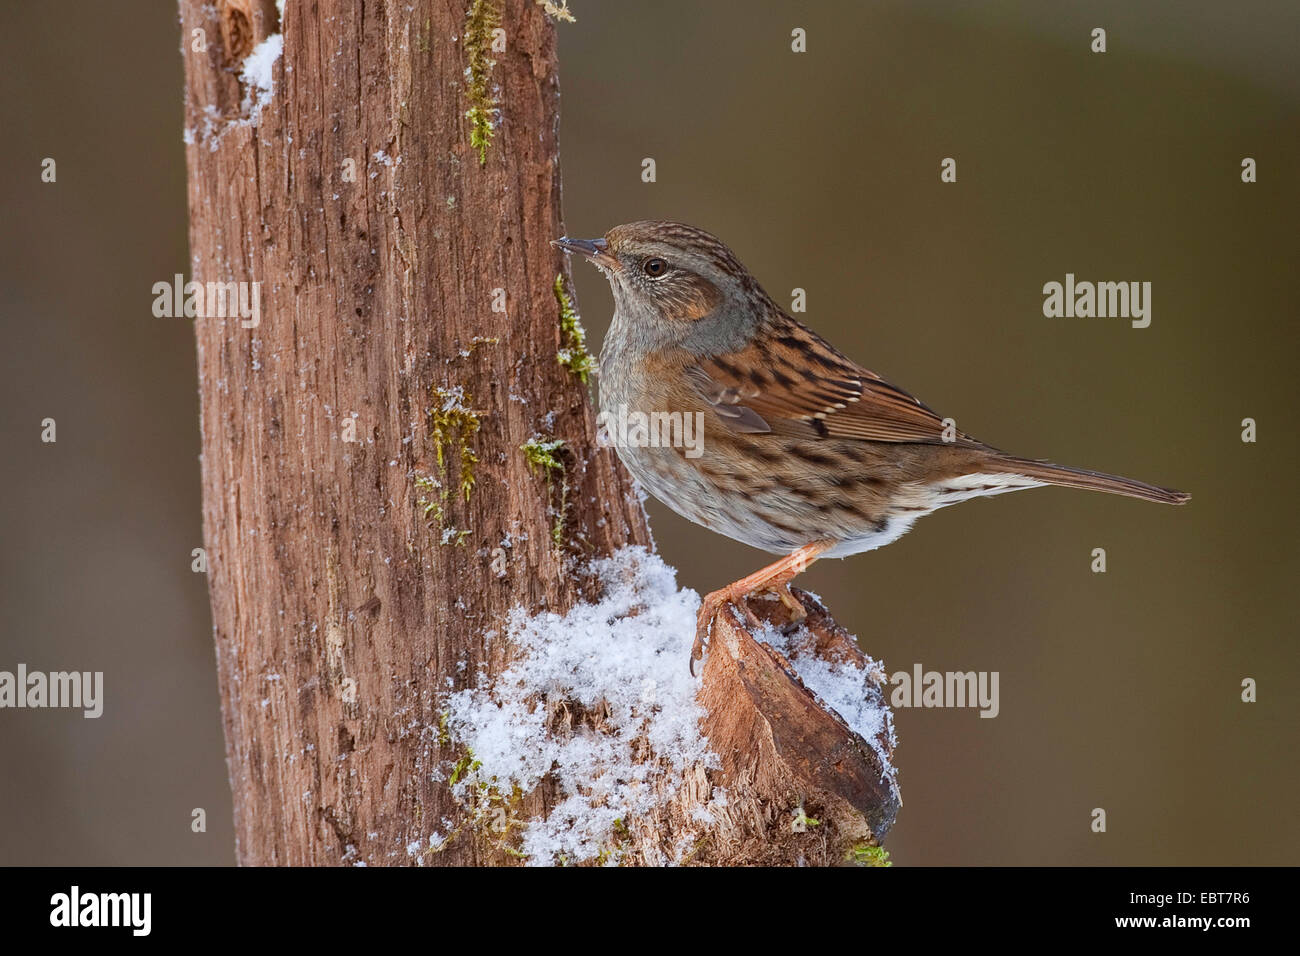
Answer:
x=654 y=268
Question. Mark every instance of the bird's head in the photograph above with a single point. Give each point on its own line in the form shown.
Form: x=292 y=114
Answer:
x=674 y=283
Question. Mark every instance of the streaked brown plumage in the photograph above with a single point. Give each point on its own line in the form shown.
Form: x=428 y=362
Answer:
x=805 y=453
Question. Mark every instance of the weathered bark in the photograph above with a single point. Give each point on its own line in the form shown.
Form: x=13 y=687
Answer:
x=353 y=581
x=801 y=787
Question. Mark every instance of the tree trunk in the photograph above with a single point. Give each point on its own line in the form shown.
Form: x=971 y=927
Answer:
x=387 y=189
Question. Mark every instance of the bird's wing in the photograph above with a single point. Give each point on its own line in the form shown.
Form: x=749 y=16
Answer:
x=796 y=383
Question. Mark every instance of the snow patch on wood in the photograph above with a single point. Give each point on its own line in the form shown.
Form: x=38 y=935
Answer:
x=849 y=688
x=257 y=75
x=600 y=703
x=600 y=698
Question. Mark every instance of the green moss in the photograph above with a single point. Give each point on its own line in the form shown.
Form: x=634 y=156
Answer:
x=573 y=355
x=540 y=453
x=454 y=536
x=465 y=765
x=452 y=425
x=618 y=845
x=483 y=18
x=866 y=854
x=433 y=506
x=803 y=819
x=486 y=812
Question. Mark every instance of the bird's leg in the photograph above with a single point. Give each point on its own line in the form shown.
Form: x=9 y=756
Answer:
x=775 y=577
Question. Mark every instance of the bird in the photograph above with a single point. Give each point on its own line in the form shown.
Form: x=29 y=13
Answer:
x=802 y=452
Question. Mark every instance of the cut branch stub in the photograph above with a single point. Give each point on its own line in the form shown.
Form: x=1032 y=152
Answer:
x=244 y=24
x=784 y=754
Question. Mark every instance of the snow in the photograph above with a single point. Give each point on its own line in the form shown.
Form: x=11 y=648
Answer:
x=855 y=693
x=628 y=651
x=453 y=399
x=627 y=654
x=256 y=73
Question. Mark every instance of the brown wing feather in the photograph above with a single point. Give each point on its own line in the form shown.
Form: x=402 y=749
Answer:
x=798 y=383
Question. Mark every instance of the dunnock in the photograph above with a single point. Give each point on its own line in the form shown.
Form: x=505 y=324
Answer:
x=805 y=453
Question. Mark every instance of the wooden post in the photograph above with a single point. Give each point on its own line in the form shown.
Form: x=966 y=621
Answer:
x=383 y=193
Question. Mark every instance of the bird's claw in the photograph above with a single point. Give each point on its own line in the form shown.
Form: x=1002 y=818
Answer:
x=708 y=609
x=797 y=611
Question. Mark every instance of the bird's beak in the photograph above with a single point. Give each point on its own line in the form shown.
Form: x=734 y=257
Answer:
x=595 y=251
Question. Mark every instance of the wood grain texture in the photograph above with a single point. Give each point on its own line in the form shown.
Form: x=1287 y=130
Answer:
x=782 y=751
x=801 y=787
x=339 y=616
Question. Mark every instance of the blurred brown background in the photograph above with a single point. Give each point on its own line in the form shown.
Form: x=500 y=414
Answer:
x=1119 y=690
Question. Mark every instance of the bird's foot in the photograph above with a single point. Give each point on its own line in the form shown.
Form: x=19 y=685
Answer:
x=775 y=577
x=709 y=608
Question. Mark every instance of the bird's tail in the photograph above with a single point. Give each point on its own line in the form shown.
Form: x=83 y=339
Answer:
x=1051 y=474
